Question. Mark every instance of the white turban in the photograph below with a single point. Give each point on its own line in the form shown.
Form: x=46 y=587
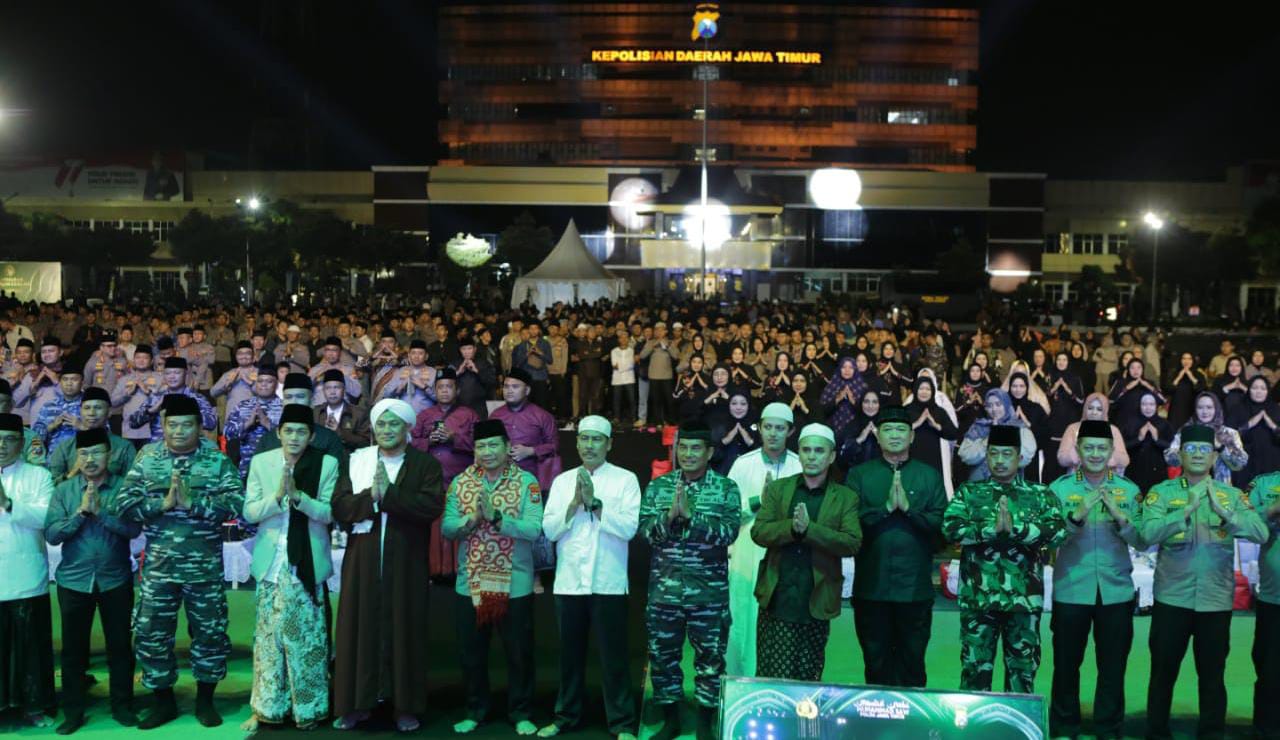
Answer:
x=395 y=406
x=597 y=424
x=818 y=430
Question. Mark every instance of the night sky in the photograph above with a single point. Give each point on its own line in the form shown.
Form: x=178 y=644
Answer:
x=1074 y=89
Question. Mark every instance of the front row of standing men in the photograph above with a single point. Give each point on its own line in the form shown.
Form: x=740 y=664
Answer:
x=747 y=568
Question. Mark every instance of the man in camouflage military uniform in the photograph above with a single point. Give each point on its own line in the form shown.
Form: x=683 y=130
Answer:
x=1003 y=525
x=1195 y=520
x=1093 y=585
x=1264 y=494
x=689 y=517
x=181 y=490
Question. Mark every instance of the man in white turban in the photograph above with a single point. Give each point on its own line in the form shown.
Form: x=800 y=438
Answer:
x=391 y=496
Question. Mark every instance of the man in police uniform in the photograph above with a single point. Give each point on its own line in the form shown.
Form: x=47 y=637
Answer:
x=331 y=359
x=107 y=364
x=689 y=517
x=901 y=502
x=1003 y=526
x=1093 y=585
x=414 y=383
x=1195 y=520
x=132 y=394
x=1264 y=494
x=237 y=383
x=181 y=490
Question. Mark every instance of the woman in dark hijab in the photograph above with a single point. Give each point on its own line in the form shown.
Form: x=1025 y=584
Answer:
x=1127 y=392
x=716 y=399
x=931 y=423
x=804 y=399
x=777 y=383
x=1258 y=421
x=1066 y=400
x=1230 y=387
x=1146 y=437
x=812 y=366
x=735 y=430
x=692 y=389
x=856 y=443
x=970 y=398
x=842 y=395
x=1085 y=370
x=875 y=381
x=827 y=359
x=1122 y=365
x=989 y=373
x=745 y=370
x=1184 y=383
x=1033 y=415
x=1040 y=369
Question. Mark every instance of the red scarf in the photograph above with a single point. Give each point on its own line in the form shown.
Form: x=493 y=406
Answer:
x=488 y=554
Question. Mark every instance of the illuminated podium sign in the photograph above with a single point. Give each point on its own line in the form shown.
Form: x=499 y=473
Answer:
x=769 y=709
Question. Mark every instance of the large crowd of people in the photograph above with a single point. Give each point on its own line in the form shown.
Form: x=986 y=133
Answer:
x=805 y=438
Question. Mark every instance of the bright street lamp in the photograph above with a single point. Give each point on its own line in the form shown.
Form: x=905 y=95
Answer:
x=1155 y=223
x=252 y=204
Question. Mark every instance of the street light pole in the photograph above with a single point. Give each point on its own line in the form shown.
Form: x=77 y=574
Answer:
x=1156 y=223
x=706 y=77
x=252 y=204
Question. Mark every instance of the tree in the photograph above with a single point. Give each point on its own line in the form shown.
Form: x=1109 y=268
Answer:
x=961 y=264
x=1262 y=233
x=524 y=243
x=1095 y=290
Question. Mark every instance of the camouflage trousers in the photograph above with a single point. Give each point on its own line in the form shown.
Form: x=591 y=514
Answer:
x=707 y=627
x=981 y=632
x=155 y=624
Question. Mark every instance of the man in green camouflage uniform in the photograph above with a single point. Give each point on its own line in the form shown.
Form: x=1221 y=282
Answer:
x=1195 y=520
x=1093 y=585
x=181 y=490
x=1004 y=526
x=689 y=517
x=1264 y=494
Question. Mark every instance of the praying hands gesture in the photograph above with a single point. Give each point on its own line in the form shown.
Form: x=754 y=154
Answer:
x=381 y=482
x=679 y=508
x=1004 y=520
x=483 y=512
x=800 y=519
x=1259 y=417
x=179 y=495
x=897 y=495
x=1089 y=503
x=1184 y=373
x=583 y=495
x=4 y=497
x=287 y=490
x=89 y=505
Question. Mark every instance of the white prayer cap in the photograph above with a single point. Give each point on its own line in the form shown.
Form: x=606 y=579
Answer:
x=818 y=430
x=597 y=424
x=395 y=406
x=779 y=411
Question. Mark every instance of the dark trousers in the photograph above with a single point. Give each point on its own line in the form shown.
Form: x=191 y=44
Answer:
x=560 y=406
x=114 y=608
x=516 y=632
x=606 y=617
x=1266 y=661
x=588 y=395
x=660 y=400
x=1171 y=629
x=1112 y=637
x=540 y=393
x=624 y=395
x=894 y=636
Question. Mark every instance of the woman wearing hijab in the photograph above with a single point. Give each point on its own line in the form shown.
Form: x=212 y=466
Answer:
x=1183 y=385
x=692 y=389
x=999 y=411
x=857 y=443
x=777 y=384
x=947 y=447
x=1258 y=421
x=934 y=427
x=970 y=397
x=1146 y=437
x=1231 y=453
x=813 y=367
x=1127 y=392
x=1096 y=408
x=1084 y=369
x=734 y=431
x=1034 y=392
x=718 y=395
x=746 y=371
x=1066 y=400
x=827 y=359
x=989 y=373
x=803 y=398
x=841 y=397
x=1115 y=375
x=1035 y=416
x=697 y=348
x=1230 y=387
x=1040 y=369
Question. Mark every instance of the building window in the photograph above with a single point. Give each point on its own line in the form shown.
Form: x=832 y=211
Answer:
x=908 y=116
x=1088 y=243
x=1054 y=292
x=1116 y=242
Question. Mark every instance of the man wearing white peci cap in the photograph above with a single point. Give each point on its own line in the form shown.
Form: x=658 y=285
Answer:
x=753 y=472
x=807 y=523
x=591 y=514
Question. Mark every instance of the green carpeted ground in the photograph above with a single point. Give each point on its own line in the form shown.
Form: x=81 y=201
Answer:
x=843 y=666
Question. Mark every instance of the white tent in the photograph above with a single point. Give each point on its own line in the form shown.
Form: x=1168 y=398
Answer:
x=569 y=274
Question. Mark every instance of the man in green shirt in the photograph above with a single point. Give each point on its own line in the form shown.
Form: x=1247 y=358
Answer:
x=1195 y=520
x=900 y=503
x=494 y=510
x=807 y=524
x=1004 y=526
x=95 y=411
x=1264 y=494
x=689 y=517
x=1093 y=585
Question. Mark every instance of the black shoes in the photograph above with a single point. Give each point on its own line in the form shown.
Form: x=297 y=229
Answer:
x=164 y=710
x=205 y=712
x=671 y=724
